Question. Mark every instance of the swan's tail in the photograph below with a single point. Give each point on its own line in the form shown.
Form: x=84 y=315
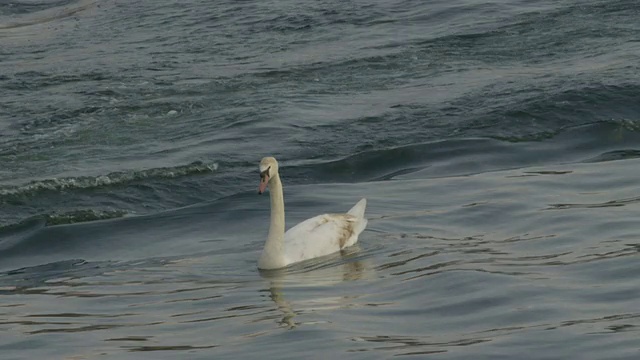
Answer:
x=358 y=211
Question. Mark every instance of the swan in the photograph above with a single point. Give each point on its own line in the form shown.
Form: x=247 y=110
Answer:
x=318 y=236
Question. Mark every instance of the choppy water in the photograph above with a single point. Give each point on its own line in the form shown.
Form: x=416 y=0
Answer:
x=498 y=144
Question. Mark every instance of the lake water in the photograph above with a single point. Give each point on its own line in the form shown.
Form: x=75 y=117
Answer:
x=497 y=143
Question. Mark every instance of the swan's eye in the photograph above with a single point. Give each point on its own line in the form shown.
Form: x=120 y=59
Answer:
x=265 y=173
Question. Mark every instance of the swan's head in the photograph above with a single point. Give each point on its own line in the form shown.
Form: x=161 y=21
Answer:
x=268 y=169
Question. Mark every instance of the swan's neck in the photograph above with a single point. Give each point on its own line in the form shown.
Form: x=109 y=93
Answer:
x=276 y=229
x=273 y=252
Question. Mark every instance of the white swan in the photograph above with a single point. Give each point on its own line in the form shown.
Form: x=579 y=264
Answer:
x=321 y=235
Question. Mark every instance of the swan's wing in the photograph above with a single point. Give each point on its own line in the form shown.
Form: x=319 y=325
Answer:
x=321 y=235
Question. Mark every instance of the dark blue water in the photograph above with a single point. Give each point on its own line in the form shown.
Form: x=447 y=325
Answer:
x=498 y=144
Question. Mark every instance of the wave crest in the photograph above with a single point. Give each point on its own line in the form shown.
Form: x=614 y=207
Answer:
x=112 y=179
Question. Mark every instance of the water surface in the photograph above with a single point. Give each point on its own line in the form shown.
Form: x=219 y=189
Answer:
x=497 y=144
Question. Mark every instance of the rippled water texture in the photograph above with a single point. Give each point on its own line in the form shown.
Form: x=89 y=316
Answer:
x=497 y=143
x=538 y=260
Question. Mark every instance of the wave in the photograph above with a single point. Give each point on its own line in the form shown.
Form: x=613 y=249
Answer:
x=83 y=216
x=71 y=217
x=41 y=13
x=596 y=142
x=118 y=178
x=615 y=155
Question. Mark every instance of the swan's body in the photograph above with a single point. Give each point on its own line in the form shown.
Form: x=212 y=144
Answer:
x=318 y=236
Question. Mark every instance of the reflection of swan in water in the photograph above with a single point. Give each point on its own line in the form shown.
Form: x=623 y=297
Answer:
x=319 y=274
x=283 y=305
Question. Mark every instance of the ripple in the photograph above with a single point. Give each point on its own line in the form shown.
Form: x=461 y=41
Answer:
x=45 y=15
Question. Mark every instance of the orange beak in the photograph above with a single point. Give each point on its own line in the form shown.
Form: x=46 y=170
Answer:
x=263 y=184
